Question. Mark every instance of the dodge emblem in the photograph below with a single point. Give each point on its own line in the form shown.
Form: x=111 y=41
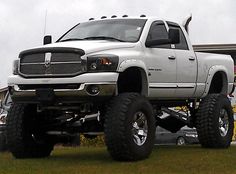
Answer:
x=47 y=59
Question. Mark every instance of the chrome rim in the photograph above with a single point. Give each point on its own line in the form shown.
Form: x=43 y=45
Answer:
x=223 y=122
x=140 y=128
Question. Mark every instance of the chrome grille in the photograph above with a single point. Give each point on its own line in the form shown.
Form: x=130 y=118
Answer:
x=50 y=63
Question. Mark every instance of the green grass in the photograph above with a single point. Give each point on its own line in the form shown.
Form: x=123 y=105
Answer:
x=164 y=159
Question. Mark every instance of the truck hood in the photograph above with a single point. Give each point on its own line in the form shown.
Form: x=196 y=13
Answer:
x=91 y=46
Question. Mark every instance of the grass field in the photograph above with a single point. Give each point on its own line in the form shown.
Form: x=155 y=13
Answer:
x=164 y=159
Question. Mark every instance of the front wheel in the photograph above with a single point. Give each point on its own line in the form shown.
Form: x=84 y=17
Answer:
x=129 y=127
x=180 y=141
x=25 y=137
x=215 y=122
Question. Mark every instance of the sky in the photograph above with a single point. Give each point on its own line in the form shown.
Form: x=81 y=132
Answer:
x=22 y=22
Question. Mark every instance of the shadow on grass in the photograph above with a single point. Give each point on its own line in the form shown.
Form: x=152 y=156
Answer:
x=95 y=154
x=81 y=154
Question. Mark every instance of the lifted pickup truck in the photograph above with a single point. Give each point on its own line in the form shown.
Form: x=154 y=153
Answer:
x=118 y=76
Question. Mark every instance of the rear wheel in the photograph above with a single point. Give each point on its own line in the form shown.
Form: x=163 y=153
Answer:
x=214 y=121
x=24 y=134
x=129 y=127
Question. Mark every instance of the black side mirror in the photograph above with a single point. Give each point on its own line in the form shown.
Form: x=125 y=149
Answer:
x=47 y=39
x=174 y=36
x=151 y=43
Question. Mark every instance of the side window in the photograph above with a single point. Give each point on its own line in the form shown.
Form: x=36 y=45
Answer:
x=183 y=43
x=158 y=31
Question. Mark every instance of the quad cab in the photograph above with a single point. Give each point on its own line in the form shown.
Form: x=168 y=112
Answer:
x=118 y=76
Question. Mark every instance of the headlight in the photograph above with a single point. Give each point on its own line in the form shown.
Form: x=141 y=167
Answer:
x=15 y=68
x=102 y=63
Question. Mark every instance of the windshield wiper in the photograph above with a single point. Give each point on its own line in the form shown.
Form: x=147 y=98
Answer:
x=102 y=38
x=93 y=38
x=71 y=39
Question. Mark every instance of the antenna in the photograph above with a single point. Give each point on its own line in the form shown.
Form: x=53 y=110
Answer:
x=45 y=22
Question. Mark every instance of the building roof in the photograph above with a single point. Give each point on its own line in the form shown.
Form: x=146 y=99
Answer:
x=219 y=48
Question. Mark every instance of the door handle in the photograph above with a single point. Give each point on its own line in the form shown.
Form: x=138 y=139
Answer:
x=171 y=57
x=191 y=58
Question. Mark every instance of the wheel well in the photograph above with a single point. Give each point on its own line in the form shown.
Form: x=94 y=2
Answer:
x=133 y=80
x=219 y=83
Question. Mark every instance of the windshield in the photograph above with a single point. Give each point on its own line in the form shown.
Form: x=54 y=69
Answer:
x=123 y=30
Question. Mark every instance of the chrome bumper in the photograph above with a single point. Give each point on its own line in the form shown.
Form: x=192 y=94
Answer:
x=47 y=94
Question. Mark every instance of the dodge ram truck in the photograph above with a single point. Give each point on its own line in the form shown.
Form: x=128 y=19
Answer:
x=120 y=76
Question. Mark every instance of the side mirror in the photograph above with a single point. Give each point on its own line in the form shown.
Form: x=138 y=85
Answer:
x=151 y=43
x=174 y=36
x=47 y=39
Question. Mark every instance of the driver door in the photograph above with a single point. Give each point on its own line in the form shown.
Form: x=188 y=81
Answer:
x=161 y=63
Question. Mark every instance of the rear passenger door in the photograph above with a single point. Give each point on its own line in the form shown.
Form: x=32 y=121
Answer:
x=186 y=66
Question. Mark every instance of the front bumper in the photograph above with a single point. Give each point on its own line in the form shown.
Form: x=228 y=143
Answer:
x=191 y=140
x=54 y=90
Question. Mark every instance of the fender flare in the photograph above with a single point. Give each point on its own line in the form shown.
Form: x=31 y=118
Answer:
x=212 y=71
x=131 y=63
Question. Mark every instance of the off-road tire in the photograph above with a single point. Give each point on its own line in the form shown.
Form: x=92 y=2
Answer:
x=23 y=140
x=207 y=121
x=119 y=124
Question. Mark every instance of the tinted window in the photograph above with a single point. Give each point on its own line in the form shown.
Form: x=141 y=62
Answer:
x=158 y=31
x=183 y=43
x=127 y=30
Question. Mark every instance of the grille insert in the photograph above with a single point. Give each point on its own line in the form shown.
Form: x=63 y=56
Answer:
x=51 y=62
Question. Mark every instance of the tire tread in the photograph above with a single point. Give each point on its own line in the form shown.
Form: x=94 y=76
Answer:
x=116 y=139
x=206 y=123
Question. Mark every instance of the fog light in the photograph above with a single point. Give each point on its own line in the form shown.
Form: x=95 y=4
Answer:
x=93 y=90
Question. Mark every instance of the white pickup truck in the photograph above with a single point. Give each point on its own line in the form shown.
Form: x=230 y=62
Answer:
x=118 y=76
